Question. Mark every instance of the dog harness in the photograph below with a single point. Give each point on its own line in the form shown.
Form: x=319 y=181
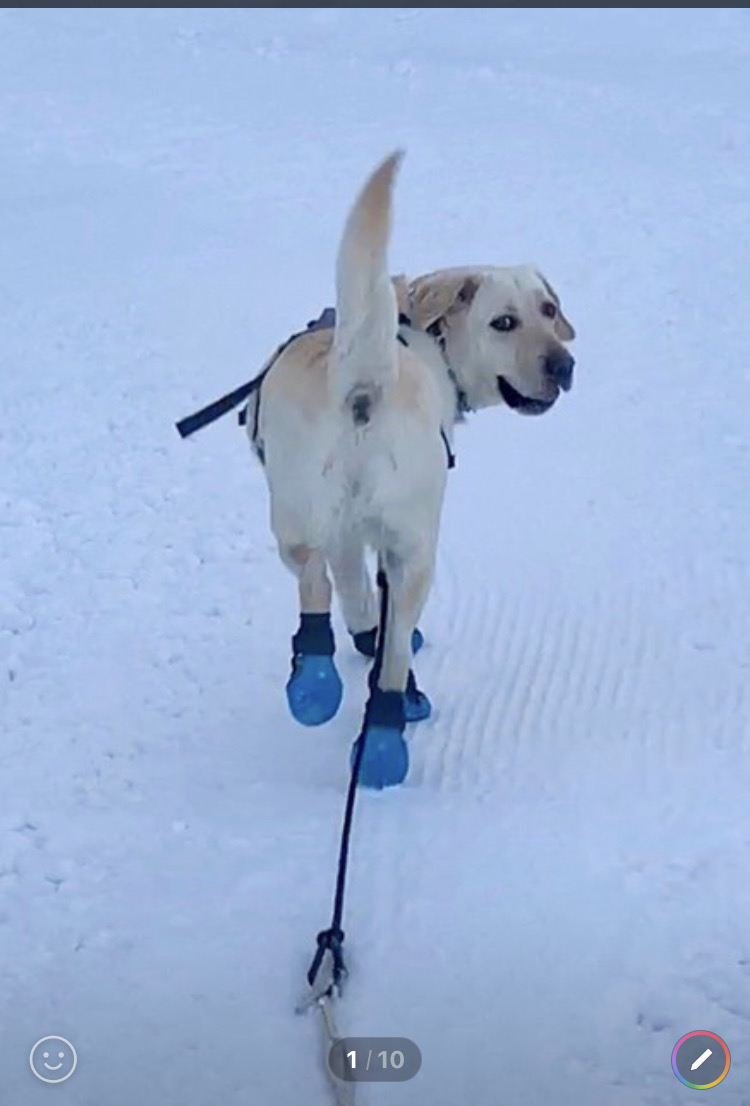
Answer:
x=325 y=321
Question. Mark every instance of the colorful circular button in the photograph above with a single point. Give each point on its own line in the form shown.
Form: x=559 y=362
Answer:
x=700 y=1060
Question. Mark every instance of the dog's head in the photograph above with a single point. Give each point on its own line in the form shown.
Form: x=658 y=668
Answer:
x=504 y=334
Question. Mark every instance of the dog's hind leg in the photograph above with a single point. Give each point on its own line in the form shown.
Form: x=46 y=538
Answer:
x=314 y=688
x=395 y=698
x=357 y=598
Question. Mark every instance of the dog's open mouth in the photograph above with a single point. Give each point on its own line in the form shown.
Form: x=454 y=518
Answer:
x=520 y=403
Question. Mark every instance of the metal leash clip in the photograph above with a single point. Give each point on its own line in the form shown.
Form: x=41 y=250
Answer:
x=326 y=988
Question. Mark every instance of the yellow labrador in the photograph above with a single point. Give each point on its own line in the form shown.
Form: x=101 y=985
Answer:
x=354 y=424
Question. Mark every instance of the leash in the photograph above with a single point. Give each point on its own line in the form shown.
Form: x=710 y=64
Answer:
x=330 y=941
x=187 y=426
x=214 y=411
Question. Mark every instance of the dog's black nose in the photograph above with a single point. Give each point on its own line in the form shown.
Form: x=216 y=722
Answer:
x=559 y=367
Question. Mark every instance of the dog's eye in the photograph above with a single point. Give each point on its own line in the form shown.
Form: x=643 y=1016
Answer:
x=504 y=323
x=549 y=309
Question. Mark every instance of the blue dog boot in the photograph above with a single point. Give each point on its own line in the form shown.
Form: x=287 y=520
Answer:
x=385 y=761
x=381 y=750
x=366 y=641
x=314 y=689
x=417 y=706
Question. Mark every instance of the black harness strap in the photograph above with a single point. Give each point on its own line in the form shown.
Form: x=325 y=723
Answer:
x=450 y=455
x=404 y=320
x=325 y=321
x=242 y=418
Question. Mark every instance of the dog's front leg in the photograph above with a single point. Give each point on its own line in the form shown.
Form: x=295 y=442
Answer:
x=354 y=587
x=409 y=583
x=394 y=696
x=357 y=596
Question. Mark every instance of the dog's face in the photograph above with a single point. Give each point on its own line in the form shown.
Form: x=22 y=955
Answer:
x=504 y=334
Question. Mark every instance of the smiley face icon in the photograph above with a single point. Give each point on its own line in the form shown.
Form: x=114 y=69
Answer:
x=53 y=1059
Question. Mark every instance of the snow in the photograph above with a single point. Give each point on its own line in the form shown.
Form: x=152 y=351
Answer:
x=560 y=891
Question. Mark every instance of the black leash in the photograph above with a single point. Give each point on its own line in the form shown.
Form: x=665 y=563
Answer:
x=332 y=939
x=214 y=411
x=187 y=426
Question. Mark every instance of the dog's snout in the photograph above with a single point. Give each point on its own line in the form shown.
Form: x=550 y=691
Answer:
x=559 y=367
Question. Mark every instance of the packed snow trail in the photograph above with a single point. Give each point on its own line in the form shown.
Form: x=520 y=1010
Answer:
x=560 y=891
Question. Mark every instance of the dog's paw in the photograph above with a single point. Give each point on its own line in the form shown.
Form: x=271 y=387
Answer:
x=385 y=759
x=314 y=690
x=365 y=642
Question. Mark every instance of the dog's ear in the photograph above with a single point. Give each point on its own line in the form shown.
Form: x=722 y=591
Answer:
x=563 y=327
x=437 y=294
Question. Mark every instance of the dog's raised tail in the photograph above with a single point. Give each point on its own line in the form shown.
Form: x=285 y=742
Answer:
x=364 y=352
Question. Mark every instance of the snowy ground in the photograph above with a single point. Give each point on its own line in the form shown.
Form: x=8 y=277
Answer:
x=561 y=891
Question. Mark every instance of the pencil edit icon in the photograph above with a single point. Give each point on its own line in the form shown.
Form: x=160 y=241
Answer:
x=701 y=1060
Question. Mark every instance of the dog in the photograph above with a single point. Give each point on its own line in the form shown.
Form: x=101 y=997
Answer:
x=354 y=425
